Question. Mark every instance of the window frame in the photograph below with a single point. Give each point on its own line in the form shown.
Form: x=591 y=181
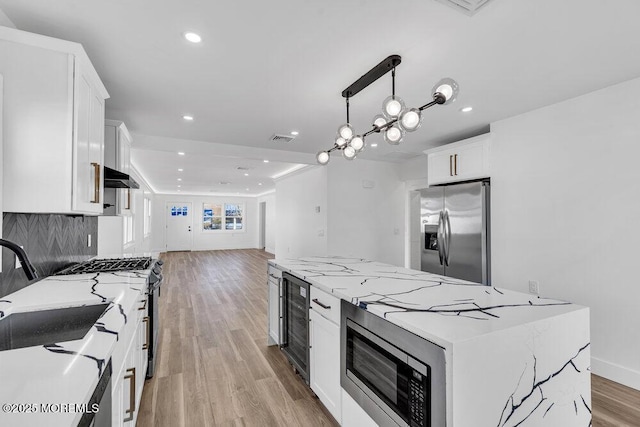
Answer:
x=223 y=217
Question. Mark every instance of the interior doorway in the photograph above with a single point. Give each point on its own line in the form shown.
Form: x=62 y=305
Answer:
x=179 y=223
x=262 y=225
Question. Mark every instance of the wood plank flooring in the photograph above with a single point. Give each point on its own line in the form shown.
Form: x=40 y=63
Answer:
x=214 y=366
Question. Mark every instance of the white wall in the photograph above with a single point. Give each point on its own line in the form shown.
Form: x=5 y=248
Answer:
x=301 y=231
x=366 y=210
x=414 y=174
x=206 y=240
x=5 y=21
x=565 y=211
x=270 y=221
x=142 y=243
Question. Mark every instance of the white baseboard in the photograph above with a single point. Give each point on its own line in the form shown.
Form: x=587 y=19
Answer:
x=270 y=250
x=617 y=373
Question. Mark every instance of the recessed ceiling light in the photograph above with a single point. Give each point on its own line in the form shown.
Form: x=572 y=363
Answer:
x=466 y=109
x=180 y=170
x=188 y=118
x=374 y=145
x=179 y=186
x=259 y=183
x=180 y=153
x=179 y=191
x=266 y=161
x=247 y=189
x=294 y=132
x=192 y=37
x=179 y=179
x=246 y=174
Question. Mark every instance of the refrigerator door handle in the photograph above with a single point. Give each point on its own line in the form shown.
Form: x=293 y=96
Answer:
x=441 y=237
x=447 y=237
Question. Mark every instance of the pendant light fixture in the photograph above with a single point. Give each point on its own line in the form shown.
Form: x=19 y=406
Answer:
x=396 y=119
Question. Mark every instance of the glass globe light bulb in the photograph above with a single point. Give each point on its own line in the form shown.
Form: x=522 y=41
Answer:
x=379 y=121
x=448 y=88
x=392 y=106
x=349 y=152
x=393 y=135
x=340 y=142
x=322 y=157
x=357 y=142
x=346 y=131
x=410 y=120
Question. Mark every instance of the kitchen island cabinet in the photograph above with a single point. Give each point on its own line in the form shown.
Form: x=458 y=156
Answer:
x=53 y=126
x=511 y=358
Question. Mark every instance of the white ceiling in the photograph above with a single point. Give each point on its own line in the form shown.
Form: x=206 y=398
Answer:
x=272 y=67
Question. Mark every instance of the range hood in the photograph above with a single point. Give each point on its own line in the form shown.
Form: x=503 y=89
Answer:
x=116 y=179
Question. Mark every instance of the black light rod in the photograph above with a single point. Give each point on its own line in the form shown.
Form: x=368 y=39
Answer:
x=387 y=64
x=430 y=104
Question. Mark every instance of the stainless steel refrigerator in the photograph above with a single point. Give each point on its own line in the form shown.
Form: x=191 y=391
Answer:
x=455 y=231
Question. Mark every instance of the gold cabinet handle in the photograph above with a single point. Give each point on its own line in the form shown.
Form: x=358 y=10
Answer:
x=455 y=164
x=131 y=375
x=128 y=198
x=144 y=304
x=145 y=346
x=450 y=166
x=96 y=182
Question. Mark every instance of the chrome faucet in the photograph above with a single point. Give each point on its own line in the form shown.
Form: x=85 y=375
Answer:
x=28 y=268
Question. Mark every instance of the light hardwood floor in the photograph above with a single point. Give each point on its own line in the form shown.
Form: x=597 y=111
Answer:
x=214 y=366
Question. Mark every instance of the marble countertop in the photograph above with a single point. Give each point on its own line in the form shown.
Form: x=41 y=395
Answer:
x=440 y=309
x=66 y=372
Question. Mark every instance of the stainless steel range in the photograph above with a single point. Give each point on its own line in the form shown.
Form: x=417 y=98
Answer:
x=108 y=265
x=153 y=289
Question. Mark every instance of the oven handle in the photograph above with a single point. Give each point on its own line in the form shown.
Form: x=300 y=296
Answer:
x=404 y=357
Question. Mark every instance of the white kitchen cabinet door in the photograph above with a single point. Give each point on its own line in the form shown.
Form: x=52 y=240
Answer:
x=53 y=108
x=274 y=312
x=324 y=360
x=460 y=161
x=88 y=147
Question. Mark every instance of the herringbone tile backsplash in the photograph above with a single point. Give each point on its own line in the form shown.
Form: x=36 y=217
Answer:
x=52 y=242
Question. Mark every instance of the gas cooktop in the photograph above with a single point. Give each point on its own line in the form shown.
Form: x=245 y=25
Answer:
x=106 y=265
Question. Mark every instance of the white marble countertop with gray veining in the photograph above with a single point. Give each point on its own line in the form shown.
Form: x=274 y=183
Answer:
x=440 y=309
x=65 y=372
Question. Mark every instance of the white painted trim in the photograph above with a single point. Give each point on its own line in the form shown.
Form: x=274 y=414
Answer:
x=187 y=194
x=270 y=250
x=617 y=373
x=299 y=168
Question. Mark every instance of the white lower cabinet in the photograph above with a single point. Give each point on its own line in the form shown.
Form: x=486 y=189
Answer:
x=324 y=354
x=130 y=367
x=274 y=284
x=352 y=414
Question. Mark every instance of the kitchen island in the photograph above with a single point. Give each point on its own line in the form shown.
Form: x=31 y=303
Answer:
x=52 y=384
x=511 y=358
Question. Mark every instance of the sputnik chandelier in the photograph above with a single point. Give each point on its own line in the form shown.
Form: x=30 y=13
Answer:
x=395 y=119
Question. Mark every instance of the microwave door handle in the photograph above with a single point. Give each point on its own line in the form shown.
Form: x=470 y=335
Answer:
x=447 y=233
x=440 y=237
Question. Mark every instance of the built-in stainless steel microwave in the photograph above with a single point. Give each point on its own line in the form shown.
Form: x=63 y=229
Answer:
x=397 y=377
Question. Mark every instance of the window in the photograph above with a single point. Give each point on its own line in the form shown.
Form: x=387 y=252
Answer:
x=222 y=216
x=147 y=216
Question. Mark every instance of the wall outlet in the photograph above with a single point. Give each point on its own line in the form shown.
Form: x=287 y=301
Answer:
x=534 y=287
x=317 y=209
x=89 y=240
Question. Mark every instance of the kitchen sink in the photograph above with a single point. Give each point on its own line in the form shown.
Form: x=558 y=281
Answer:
x=32 y=328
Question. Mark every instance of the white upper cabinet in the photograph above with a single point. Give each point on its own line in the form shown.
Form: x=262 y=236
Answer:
x=117 y=141
x=53 y=126
x=461 y=161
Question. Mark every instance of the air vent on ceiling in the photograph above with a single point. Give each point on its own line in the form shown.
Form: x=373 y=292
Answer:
x=281 y=138
x=468 y=7
x=242 y=168
x=224 y=183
